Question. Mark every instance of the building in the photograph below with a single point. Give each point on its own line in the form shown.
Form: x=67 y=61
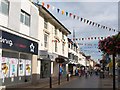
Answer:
x=73 y=55
x=19 y=42
x=53 y=49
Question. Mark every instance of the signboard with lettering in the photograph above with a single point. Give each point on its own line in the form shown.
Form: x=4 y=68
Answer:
x=17 y=43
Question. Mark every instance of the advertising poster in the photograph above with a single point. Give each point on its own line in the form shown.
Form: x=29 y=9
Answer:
x=28 y=67
x=5 y=67
x=21 y=67
x=13 y=67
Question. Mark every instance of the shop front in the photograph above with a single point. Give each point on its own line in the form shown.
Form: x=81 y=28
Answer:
x=61 y=62
x=16 y=57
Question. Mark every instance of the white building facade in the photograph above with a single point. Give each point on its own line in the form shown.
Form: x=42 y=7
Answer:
x=18 y=42
x=53 y=44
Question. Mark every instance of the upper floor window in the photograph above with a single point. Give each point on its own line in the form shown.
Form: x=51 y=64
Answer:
x=25 y=18
x=55 y=46
x=63 y=48
x=4 y=7
x=69 y=45
x=55 y=31
x=45 y=24
x=46 y=40
x=62 y=36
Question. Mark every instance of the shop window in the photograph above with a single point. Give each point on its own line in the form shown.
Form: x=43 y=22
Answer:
x=25 y=18
x=4 y=7
x=10 y=54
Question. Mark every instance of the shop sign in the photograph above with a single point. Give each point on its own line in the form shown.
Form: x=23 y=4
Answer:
x=17 y=43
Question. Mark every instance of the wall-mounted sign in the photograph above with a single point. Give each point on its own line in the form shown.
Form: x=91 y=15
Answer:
x=17 y=43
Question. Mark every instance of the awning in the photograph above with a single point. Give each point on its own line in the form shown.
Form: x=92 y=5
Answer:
x=61 y=59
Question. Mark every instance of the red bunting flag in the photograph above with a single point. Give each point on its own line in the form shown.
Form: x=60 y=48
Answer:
x=43 y=4
x=70 y=14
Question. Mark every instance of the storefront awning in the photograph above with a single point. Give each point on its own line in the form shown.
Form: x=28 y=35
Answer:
x=61 y=59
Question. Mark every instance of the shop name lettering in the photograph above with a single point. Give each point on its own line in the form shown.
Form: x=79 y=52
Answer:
x=6 y=41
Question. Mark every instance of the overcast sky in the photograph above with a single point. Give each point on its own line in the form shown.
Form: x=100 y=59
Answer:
x=104 y=12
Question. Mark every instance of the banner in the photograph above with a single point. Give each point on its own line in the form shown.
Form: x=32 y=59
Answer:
x=5 y=67
x=28 y=67
x=21 y=67
x=13 y=67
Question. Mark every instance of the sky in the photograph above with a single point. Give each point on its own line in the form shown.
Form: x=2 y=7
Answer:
x=104 y=12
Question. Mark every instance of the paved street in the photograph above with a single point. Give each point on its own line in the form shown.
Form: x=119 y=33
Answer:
x=90 y=82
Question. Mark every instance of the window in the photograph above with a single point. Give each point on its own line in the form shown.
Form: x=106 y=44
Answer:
x=4 y=7
x=55 y=31
x=45 y=24
x=25 y=18
x=63 y=48
x=55 y=46
x=69 y=45
x=46 y=40
x=63 y=36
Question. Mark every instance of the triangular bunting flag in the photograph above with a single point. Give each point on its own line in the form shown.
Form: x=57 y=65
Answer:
x=66 y=13
x=62 y=12
x=74 y=16
x=70 y=14
x=81 y=19
x=53 y=8
x=90 y=22
x=43 y=4
x=48 y=6
x=84 y=20
x=87 y=21
x=93 y=24
x=78 y=17
x=58 y=10
x=98 y=25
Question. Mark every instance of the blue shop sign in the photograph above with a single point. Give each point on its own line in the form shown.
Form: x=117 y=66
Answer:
x=17 y=43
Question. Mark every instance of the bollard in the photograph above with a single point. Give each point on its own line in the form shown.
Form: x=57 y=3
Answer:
x=59 y=79
x=50 y=82
x=67 y=77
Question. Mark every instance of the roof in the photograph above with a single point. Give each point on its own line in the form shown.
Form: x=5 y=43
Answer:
x=53 y=17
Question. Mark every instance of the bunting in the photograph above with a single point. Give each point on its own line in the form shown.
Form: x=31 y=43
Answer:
x=90 y=38
x=86 y=21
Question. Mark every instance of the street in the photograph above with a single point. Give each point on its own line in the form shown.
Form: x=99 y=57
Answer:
x=90 y=82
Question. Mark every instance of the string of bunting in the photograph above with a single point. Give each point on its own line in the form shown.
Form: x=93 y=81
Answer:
x=87 y=44
x=90 y=38
x=74 y=16
x=91 y=51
